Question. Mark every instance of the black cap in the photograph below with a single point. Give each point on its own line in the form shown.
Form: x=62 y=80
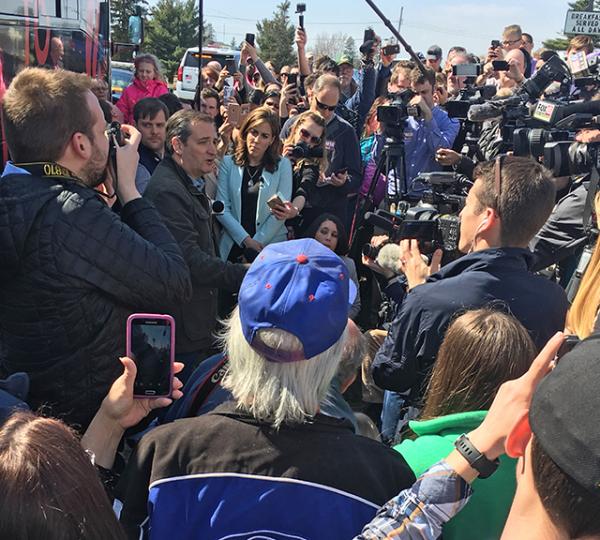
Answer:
x=564 y=414
x=434 y=52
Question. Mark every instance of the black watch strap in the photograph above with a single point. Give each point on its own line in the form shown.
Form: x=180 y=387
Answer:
x=475 y=458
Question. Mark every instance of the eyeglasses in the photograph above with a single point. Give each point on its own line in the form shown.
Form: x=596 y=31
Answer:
x=324 y=107
x=507 y=42
x=498 y=181
x=305 y=134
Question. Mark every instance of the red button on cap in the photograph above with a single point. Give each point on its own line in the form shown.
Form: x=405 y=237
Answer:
x=302 y=259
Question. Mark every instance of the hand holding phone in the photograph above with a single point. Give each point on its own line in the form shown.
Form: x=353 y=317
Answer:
x=276 y=201
x=500 y=65
x=151 y=345
x=234 y=113
x=250 y=39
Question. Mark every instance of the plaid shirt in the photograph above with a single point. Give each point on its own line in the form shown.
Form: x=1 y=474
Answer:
x=420 y=512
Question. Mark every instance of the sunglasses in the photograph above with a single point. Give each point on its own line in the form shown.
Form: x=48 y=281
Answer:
x=305 y=134
x=324 y=107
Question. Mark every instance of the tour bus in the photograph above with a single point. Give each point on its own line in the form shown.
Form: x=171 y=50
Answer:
x=69 y=34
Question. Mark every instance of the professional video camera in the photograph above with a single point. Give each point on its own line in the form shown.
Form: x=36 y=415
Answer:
x=434 y=221
x=393 y=116
x=514 y=111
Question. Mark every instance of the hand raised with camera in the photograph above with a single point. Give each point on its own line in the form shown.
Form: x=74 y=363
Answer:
x=127 y=162
x=412 y=264
x=300 y=38
x=249 y=51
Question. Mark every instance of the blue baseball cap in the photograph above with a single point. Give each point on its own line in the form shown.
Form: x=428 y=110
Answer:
x=301 y=287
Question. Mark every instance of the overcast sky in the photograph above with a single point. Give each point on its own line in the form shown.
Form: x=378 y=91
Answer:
x=446 y=23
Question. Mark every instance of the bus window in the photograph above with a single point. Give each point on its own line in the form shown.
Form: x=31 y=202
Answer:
x=16 y=7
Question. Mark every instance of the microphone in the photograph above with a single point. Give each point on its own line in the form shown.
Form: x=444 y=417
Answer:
x=491 y=109
x=389 y=258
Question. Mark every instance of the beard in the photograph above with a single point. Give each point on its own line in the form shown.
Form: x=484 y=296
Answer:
x=95 y=170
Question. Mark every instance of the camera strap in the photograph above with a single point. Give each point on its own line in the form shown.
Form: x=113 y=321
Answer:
x=52 y=170
x=48 y=169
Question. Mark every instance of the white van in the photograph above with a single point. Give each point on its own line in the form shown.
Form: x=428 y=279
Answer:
x=187 y=73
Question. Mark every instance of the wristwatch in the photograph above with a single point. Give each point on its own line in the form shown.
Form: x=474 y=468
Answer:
x=475 y=458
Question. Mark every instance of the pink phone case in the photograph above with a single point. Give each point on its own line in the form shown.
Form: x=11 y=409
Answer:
x=172 y=359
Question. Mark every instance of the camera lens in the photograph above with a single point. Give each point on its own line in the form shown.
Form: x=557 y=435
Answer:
x=370 y=251
x=218 y=207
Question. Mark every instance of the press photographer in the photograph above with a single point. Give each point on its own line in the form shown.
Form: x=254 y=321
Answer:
x=73 y=270
x=508 y=203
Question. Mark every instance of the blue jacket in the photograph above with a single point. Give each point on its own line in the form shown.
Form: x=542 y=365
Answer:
x=268 y=228
x=492 y=277
x=422 y=139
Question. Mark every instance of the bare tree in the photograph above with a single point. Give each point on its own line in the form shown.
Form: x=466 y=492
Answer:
x=331 y=45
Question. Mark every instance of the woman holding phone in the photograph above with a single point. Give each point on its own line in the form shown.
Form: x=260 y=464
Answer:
x=314 y=193
x=247 y=180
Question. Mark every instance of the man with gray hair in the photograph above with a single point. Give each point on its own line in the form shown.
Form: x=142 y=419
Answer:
x=268 y=464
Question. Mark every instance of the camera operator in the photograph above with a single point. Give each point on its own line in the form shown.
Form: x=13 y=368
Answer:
x=424 y=135
x=72 y=269
x=508 y=203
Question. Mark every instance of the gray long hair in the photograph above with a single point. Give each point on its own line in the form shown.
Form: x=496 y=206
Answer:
x=277 y=392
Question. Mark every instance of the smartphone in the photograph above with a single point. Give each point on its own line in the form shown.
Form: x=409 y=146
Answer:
x=369 y=35
x=228 y=89
x=500 y=65
x=293 y=79
x=250 y=39
x=466 y=70
x=388 y=50
x=567 y=345
x=496 y=44
x=234 y=113
x=230 y=65
x=275 y=201
x=151 y=345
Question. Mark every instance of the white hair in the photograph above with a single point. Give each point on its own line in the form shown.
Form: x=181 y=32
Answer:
x=286 y=392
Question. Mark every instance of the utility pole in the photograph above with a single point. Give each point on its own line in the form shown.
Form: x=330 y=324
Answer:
x=200 y=29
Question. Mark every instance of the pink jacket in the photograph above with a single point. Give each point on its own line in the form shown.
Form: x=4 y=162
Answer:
x=139 y=90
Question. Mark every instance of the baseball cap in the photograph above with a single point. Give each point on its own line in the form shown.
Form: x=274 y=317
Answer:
x=434 y=52
x=345 y=59
x=564 y=414
x=301 y=287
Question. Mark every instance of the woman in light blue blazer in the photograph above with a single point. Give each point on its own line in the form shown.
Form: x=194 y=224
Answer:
x=247 y=180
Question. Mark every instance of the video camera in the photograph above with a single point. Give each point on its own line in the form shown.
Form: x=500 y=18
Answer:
x=433 y=221
x=393 y=116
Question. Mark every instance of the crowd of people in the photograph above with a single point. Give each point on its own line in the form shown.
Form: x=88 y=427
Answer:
x=318 y=391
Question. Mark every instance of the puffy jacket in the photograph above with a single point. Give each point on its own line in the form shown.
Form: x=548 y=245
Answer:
x=492 y=277
x=186 y=211
x=72 y=271
x=139 y=90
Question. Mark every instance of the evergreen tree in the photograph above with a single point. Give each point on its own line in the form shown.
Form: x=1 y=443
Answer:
x=350 y=49
x=234 y=44
x=120 y=11
x=275 y=37
x=562 y=43
x=173 y=28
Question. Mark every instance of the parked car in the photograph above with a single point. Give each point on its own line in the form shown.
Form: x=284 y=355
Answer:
x=121 y=77
x=187 y=73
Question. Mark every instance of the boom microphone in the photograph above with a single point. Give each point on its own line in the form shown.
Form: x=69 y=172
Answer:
x=492 y=109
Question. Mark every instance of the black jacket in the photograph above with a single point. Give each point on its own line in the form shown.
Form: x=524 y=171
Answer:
x=187 y=213
x=71 y=273
x=492 y=277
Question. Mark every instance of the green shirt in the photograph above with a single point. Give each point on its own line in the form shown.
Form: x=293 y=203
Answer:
x=484 y=516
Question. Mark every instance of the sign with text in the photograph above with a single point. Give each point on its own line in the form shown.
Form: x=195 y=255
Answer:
x=582 y=22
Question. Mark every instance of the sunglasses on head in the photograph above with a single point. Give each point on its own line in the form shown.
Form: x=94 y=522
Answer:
x=307 y=135
x=324 y=107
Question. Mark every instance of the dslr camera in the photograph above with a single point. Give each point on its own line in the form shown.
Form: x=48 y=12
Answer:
x=303 y=151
